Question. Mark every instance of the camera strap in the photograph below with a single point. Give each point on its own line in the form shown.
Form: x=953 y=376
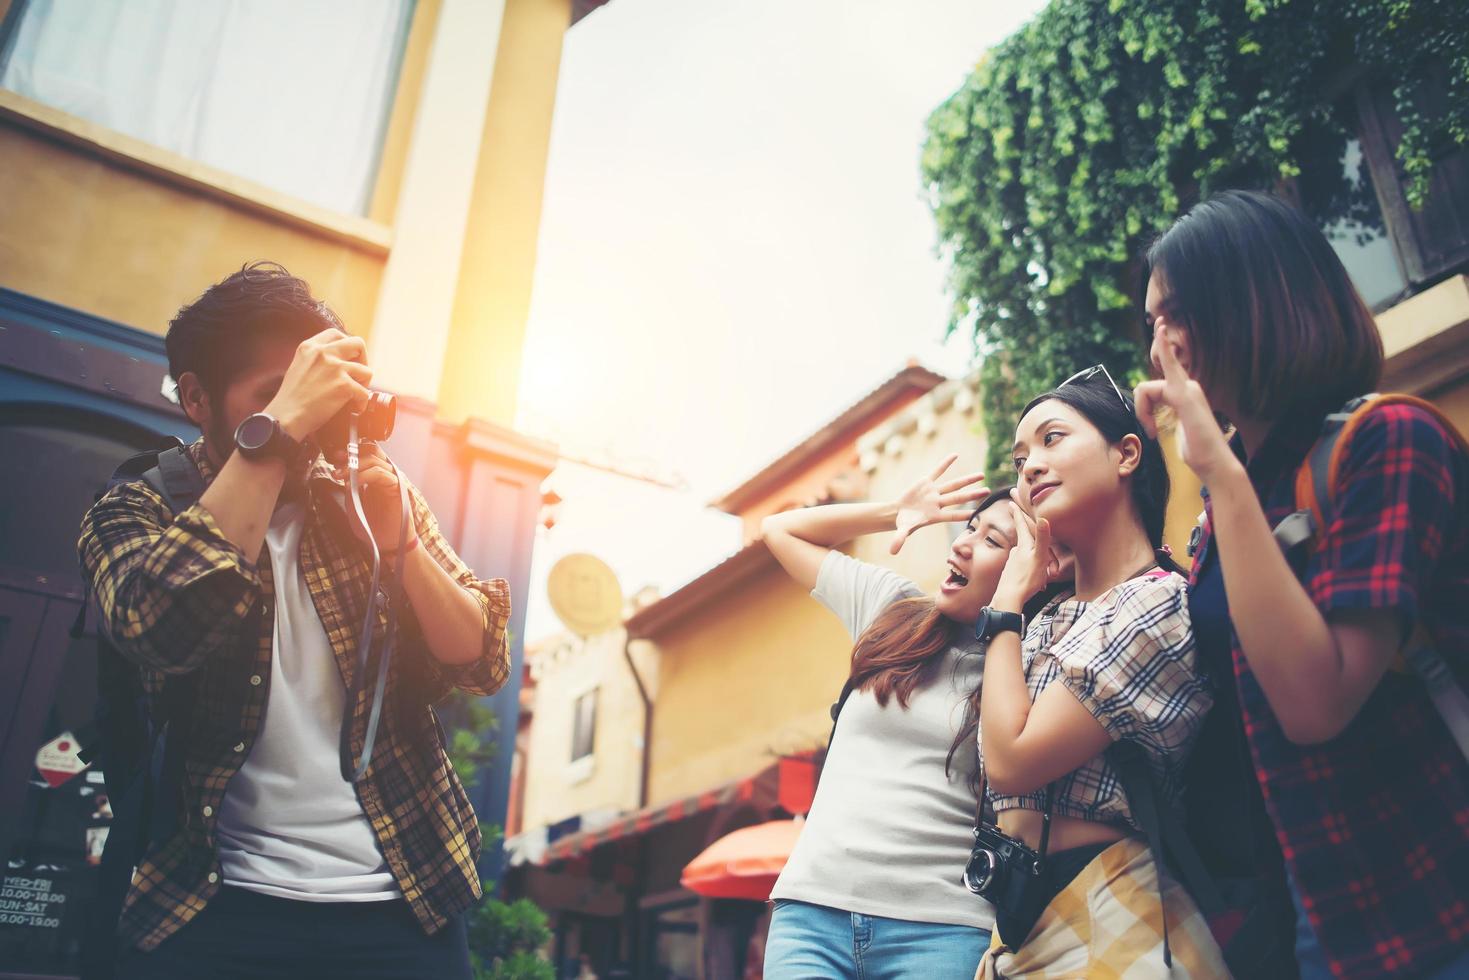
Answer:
x=353 y=771
x=1045 y=815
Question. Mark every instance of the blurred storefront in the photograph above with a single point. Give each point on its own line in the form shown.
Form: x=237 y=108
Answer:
x=392 y=153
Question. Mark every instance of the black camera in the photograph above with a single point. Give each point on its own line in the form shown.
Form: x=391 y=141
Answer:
x=374 y=423
x=1003 y=870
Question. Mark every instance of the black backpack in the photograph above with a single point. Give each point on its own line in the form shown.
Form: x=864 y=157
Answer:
x=142 y=767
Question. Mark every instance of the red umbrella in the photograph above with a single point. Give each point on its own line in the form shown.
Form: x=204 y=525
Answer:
x=745 y=862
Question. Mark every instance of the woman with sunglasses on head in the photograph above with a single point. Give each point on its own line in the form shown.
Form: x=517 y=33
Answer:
x=1110 y=660
x=873 y=887
x=1254 y=316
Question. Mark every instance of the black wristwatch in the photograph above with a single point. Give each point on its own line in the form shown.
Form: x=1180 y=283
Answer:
x=260 y=436
x=993 y=622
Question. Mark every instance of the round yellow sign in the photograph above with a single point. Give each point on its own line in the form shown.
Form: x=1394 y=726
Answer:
x=585 y=594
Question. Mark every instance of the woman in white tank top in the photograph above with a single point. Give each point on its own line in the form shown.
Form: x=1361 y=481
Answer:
x=873 y=888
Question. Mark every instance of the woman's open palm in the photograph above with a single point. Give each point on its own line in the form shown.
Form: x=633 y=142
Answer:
x=931 y=502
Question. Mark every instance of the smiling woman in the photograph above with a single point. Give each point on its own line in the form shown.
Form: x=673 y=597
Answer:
x=1112 y=660
x=892 y=776
x=890 y=824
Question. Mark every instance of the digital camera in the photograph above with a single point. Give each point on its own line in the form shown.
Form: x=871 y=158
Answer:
x=374 y=423
x=1002 y=869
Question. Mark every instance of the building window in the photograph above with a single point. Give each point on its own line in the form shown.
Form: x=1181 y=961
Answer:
x=293 y=94
x=1357 y=191
x=1361 y=240
x=584 y=725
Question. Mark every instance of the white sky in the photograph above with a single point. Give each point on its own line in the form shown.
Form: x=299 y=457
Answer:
x=733 y=249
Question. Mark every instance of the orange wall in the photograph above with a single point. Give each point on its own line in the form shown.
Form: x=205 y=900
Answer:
x=1454 y=400
x=742 y=681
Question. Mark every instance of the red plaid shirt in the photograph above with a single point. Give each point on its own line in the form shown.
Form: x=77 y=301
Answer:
x=1374 y=824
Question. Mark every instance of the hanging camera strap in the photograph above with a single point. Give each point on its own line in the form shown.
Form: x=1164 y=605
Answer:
x=352 y=770
x=1045 y=816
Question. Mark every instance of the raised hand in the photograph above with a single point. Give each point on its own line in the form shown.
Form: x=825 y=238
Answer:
x=328 y=372
x=1033 y=562
x=380 y=500
x=1201 y=442
x=930 y=502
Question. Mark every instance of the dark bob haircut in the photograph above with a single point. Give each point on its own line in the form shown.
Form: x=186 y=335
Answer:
x=217 y=335
x=1271 y=315
x=1097 y=401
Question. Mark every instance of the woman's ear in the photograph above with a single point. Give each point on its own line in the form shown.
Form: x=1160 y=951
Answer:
x=1131 y=450
x=194 y=400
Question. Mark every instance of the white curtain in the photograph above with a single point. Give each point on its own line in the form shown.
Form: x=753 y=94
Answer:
x=293 y=94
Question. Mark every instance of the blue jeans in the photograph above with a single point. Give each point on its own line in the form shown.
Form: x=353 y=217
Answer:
x=1312 y=959
x=813 y=941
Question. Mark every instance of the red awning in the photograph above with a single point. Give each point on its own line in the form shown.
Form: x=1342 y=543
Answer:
x=788 y=785
x=745 y=862
x=758 y=790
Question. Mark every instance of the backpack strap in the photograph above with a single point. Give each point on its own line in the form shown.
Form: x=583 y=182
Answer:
x=836 y=709
x=1314 y=478
x=1165 y=833
x=171 y=473
x=176 y=478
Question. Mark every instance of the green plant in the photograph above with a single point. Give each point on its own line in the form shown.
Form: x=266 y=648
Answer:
x=1084 y=134
x=504 y=937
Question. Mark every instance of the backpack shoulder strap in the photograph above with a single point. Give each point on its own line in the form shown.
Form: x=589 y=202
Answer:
x=836 y=710
x=176 y=478
x=1165 y=833
x=1319 y=475
x=1313 y=479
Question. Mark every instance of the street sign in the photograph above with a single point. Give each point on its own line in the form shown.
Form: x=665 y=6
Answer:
x=57 y=760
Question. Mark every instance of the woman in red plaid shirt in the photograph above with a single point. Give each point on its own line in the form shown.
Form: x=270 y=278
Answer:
x=1254 y=316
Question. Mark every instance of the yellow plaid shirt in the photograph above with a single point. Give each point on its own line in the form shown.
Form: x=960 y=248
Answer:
x=187 y=606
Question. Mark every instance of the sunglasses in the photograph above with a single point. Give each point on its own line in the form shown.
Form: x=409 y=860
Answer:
x=1086 y=374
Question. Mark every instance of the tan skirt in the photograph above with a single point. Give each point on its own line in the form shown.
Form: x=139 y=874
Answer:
x=1108 y=923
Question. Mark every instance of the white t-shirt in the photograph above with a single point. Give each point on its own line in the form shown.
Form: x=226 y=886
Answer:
x=290 y=825
x=889 y=831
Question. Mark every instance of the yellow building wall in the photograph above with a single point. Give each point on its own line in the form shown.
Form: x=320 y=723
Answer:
x=481 y=373
x=85 y=231
x=111 y=226
x=1454 y=400
x=742 y=681
x=564 y=667
x=955 y=430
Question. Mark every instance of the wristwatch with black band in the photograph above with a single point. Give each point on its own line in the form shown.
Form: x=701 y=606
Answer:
x=260 y=436
x=992 y=622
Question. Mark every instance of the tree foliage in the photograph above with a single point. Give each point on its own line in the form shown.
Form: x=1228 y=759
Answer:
x=1083 y=135
x=504 y=937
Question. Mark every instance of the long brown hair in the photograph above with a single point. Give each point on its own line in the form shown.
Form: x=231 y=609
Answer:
x=906 y=643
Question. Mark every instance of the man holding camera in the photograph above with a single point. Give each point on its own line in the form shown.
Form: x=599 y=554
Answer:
x=253 y=600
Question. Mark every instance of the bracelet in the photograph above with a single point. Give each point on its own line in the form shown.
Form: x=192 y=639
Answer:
x=411 y=545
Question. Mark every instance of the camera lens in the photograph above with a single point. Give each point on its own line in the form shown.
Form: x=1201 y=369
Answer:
x=378 y=417
x=980 y=872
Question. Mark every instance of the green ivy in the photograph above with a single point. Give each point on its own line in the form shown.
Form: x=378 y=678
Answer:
x=1082 y=136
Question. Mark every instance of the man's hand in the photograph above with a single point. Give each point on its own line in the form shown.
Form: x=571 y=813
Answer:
x=930 y=502
x=379 y=484
x=328 y=373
